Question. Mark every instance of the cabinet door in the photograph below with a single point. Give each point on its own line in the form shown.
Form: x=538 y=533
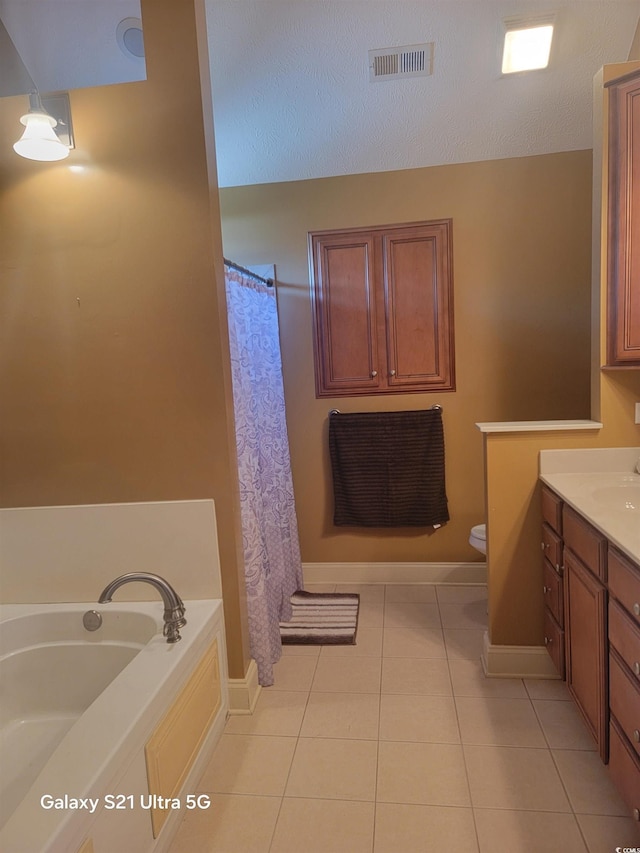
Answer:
x=344 y=314
x=417 y=276
x=586 y=646
x=624 y=222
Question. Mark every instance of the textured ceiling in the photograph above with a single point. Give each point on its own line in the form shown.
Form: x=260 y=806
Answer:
x=70 y=44
x=292 y=97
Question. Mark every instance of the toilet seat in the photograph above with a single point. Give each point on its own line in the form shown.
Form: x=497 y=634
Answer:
x=478 y=538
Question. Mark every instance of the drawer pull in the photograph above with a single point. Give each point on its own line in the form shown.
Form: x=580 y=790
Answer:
x=636 y=735
x=636 y=609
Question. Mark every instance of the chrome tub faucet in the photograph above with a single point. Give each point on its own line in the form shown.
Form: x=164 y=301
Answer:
x=173 y=605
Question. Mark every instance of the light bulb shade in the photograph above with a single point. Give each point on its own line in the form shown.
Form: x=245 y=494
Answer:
x=39 y=140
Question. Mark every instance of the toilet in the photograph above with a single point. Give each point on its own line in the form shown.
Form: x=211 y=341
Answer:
x=478 y=538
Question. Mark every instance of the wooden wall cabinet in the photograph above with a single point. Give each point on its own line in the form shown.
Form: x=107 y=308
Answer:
x=623 y=286
x=383 y=309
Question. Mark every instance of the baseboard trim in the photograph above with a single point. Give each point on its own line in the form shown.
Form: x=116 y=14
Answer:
x=428 y=573
x=516 y=661
x=244 y=692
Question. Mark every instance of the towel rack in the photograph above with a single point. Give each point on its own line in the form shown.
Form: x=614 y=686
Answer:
x=435 y=407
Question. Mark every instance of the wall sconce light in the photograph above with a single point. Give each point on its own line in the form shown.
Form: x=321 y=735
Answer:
x=39 y=140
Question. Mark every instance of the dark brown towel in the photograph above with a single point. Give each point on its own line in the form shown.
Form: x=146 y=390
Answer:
x=388 y=469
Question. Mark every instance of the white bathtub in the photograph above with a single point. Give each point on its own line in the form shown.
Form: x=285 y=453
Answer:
x=76 y=709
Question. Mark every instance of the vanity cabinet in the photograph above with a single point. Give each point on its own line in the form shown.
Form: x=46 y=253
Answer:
x=383 y=309
x=586 y=646
x=552 y=578
x=623 y=239
x=595 y=589
x=624 y=684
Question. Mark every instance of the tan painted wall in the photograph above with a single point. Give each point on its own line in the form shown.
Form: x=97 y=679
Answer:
x=521 y=238
x=513 y=492
x=114 y=374
x=634 y=52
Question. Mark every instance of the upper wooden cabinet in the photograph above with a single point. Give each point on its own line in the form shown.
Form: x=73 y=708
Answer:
x=623 y=325
x=383 y=309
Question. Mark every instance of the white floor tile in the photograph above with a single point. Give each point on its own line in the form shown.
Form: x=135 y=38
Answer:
x=512 y=778
x=404 y=828
x=333 y=769
x=249 y=764
x=504 y=831
x=428 y=676
x=342 y=715
x=562 y=725
x=347 y=675
x=588 y=786
x=422 y=773
x=429 y=719
x=499 y=722
x=224 y=828
x=320 y=826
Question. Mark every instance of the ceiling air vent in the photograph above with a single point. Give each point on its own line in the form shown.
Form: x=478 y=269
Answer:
x=391 y=63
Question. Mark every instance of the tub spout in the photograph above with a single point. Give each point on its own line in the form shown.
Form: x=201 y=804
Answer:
x=173 y=606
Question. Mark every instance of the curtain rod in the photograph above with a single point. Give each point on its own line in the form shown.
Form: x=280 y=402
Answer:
x=267 y=281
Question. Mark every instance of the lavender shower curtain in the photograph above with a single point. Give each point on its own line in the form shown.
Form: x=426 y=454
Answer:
x=269 y=527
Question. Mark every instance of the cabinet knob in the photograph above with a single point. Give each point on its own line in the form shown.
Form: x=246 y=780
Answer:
x=548 y=641
x=636 y=814
x=374 y=373
x=545 y=589
x=392 y=373
x=636 y=609
x=636 y=667
x=636 y=736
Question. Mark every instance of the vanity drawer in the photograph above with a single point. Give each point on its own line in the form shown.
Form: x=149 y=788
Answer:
x=624 y=582
x=553 y=594
x=624 y=636
x=554 y=641
x=624 y=769
x=552 y=547
x=551 y=509
x=624 y=701
x=585 y=541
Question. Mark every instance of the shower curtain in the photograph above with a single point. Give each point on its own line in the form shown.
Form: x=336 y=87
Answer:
x=269 y=526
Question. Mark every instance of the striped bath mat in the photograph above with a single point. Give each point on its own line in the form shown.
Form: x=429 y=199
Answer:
x=329 y=618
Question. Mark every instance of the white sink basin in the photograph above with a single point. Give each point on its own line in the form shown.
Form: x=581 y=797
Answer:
x=624 y=497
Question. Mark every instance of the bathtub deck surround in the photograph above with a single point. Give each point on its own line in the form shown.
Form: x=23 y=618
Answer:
x=70 y=553
x=85 y=706
x=106 y=726
x=400 y=744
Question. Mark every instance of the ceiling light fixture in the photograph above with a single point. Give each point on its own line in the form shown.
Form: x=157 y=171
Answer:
x=39 y=140
x=527 y=43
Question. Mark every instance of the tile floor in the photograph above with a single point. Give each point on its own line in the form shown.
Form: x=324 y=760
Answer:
x=399 y=744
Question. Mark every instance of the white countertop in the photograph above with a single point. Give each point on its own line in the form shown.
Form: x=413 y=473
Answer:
x=600 y=484
x=537 y=426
